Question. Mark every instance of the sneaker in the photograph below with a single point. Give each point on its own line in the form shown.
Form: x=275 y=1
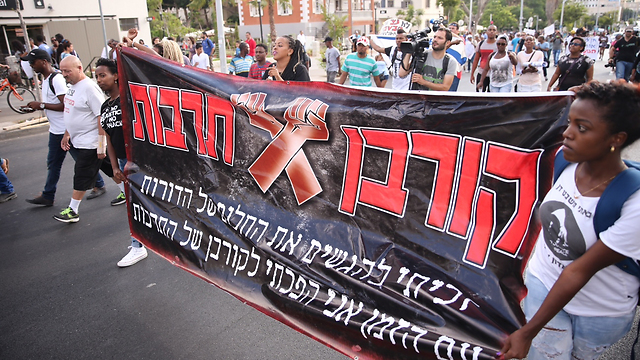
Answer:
x=5 y=166
x=119 y=200
x=134 y=255
x=67 y=216
x=96 y=192
x=8 y=196
x=40 y=200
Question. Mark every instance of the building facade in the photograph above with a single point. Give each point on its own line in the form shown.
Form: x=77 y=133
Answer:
x=79 y=22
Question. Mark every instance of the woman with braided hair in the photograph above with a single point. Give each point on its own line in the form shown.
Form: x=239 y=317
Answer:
x=289 y=56
x=579 y=302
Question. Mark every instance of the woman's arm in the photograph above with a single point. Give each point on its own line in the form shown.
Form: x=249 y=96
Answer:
x=590 y=73
x=571 y=280
x=555 y=77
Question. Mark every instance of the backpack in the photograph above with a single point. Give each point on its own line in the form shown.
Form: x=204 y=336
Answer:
x=445 y=66
x=53 y=74
x=611 y=201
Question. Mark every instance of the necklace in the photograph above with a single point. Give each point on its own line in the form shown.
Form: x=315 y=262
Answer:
x=112 y=102
x=578 y=195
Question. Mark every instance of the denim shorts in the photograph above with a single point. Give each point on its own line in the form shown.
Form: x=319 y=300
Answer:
x=568 y=336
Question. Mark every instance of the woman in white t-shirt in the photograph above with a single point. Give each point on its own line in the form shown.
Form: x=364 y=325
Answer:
x=530 y=63
x=579 y=302
x=500 y=68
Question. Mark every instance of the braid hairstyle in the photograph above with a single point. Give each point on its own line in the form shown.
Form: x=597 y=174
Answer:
x=619 y=104
x=298 y=52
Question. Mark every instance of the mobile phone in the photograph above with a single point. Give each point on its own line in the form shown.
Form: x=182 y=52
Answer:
x=26 y=108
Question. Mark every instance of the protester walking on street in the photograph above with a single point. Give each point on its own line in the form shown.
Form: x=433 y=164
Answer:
x=200 y=59
x=360 y=67
x=579 y=302
x=573 y=69
x=530 y=62
x=485 y=49
x=500 y=68
x=395 y=55
x=332 y=58
x=209 y=48
x=627 y=49
x=241 y=64
x=111 y=122
x=259 y=67
x=7 y=191
x=439 y=69
x=288 y=54
x=252 y=44
x=83 y=136
x=54 y=89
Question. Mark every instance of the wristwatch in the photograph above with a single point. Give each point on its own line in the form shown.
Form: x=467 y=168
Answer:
x=42 y=106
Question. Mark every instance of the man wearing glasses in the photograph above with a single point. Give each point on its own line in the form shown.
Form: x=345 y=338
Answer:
x=484 y=50
x=627 y=48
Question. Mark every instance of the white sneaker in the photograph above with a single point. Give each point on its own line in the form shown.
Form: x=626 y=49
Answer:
x=134 y=255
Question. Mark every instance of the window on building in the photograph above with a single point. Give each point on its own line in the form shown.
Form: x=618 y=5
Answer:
x=338 y=5
x=317 y=6
x=284 y=7
x=383 y=4
x=427 y=3
x=126 y=24
x=405 y=4
x=390 y=3
x=253 y=10
x=355 y=5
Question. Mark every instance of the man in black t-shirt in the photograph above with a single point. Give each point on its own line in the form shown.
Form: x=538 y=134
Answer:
x=627 y=48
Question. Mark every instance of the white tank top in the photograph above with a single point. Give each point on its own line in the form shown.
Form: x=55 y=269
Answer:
x=501 y=71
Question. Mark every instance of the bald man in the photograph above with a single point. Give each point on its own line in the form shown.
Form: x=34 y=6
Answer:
x=84 y=138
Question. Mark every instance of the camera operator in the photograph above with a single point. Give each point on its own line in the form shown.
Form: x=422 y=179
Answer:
x=439 y=68
x=394 y=53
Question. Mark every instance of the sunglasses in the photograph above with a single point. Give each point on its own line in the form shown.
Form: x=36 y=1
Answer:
x=575 y=44
x=501 y=44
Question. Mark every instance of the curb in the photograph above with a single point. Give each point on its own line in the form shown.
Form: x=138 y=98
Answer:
x=36 y=129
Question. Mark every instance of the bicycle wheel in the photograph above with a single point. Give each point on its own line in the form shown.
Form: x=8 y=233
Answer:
x=14 y=101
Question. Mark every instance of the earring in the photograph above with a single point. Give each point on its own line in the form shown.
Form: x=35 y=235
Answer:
x=613 y=148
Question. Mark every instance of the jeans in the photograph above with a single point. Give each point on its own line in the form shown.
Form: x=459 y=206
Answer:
x=331 y=76
x=454 y=84
x=470 y=62
x=556 y=56
x=6 y=187
x=99 y=181
x=623 y=70
x=501 y=89
x=55 y=158
x=568 y=336
x=134 y=243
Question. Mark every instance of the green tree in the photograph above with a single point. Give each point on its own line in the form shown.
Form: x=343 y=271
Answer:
x=607 y=19
x=202 y=5
x=572 y=12
x=501 y=15
x=412 y=15
x=450 y=7
x=334 y=23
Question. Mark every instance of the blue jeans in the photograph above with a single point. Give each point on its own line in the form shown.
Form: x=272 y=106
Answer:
x=556 y=56
x=6 y=187
x=623 y=70
x=55 y=158
x=470 y=62
x=454 y=84
x=134 y=243
x=99 y=181
x=568 y=336
x=501 y=89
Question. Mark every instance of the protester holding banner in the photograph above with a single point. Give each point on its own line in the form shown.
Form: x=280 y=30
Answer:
x=500 y=68
x=573 y=69
x=530 y=62
x=111 y=122
x=578 y=301
x=439 y=68
x=288 y=54
x=485 y=49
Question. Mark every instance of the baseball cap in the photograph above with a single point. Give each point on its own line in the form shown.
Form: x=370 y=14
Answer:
x=363 y=40
x=628 y=28
x=37 y=54
x=328 y=38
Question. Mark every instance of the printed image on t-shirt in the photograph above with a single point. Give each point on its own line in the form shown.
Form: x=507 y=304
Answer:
x=558 y=223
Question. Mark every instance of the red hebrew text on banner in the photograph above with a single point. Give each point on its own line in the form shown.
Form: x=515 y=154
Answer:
x=385 y=225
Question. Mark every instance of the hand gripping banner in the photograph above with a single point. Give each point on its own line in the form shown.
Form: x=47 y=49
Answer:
x=385 y=225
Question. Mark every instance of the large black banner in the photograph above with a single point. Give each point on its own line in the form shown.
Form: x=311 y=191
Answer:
x=385 y=225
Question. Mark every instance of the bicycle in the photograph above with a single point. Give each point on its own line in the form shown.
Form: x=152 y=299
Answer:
x=18 y=96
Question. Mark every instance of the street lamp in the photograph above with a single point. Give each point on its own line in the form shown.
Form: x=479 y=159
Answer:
x=562 y=14
x=537 y=23
x=521 y=17
x=260 y=17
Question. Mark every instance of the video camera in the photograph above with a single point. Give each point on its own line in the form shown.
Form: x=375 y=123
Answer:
x=417 y=45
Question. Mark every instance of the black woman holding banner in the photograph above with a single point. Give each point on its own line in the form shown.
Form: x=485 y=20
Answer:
x=579 y=301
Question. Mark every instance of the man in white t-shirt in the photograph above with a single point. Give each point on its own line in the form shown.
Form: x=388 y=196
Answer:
x=84 y=137
x=200 y=59
x=395 y=55
x=332 y=57
x=53 y=90
x=302 y=39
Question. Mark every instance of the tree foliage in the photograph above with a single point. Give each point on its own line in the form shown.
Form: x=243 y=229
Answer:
x=412 y=15
x=572 y=12
x=334 y=23
x=450 y=7
x=502 y=17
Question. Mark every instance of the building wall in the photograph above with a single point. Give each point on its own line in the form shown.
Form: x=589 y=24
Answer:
x=65 y=16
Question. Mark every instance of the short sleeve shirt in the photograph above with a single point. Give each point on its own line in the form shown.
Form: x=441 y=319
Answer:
x=56 y=118
x=82 y=106
x=332 y=56
x=577 y=73
x=360 y=69
x=111 y=122
x=433 y=68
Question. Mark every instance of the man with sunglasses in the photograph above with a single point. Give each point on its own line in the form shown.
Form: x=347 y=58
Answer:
x=53 y=90
x=627 y=48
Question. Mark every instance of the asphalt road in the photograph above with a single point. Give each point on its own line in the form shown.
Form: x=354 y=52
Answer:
x=63 y=297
